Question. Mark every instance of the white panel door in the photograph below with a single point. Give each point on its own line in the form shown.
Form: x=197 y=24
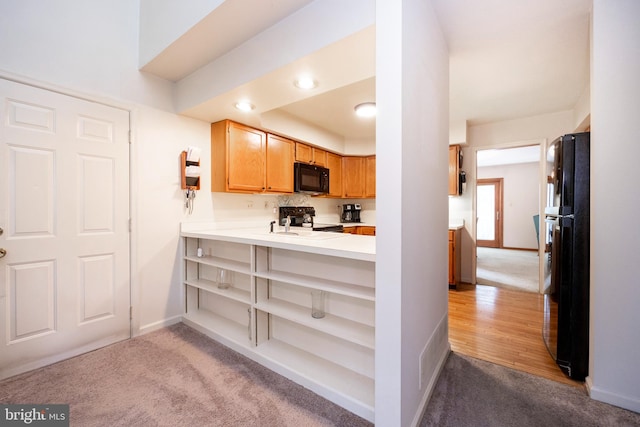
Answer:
x=64 y=215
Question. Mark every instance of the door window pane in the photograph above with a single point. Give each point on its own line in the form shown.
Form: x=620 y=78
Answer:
x=486 y=212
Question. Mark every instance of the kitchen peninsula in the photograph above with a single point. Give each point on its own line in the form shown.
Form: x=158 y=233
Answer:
x=266 y=312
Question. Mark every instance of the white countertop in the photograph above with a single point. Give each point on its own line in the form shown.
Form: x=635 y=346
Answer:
x=342 y=245
x=456 y=224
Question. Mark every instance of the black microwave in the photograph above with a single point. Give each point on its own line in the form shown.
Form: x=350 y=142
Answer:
x=310 y=179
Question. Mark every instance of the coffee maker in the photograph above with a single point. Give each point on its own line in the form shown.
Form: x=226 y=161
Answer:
x=351 y=213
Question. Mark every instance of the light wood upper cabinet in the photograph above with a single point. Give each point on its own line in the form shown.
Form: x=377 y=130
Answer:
x=304 y=153
x=319 y=157
x=249 y=160
x=312 y=155
x=359 y=177
x=454 y=169
x=279 y=171
x=334 y=164
x=353 y=172
x=370 y=177
x=237 y=157
x=242 y=160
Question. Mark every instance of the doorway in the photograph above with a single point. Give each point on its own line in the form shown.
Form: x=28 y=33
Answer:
x=507 y=203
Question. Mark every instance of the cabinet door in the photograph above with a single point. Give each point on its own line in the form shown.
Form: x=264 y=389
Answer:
x=304 y=153
x=280 y=155
x=353 y=169
x=334 y=164
x=370 y=177
x=312 y=155
x=246 y=151
x=454 y=154
x=319 y=157
x=367 y=230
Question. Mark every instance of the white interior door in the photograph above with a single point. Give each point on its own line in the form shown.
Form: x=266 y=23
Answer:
x=64 y=214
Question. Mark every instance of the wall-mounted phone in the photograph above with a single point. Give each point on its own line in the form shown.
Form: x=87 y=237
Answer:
x=190 y=175
x=462 y=182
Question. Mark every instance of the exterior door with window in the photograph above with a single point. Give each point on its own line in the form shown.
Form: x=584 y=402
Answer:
x=489 y=221
x=64 y=214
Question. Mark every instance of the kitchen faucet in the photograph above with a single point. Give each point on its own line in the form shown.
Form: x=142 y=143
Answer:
x=287 y=224
x=271 y=226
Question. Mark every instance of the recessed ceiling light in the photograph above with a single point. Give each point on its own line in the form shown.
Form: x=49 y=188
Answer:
x=366 y=109
x=244 y=106
x=305 y=82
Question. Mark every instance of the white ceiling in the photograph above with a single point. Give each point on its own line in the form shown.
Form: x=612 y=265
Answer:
x=515 y=58
x=508 y=59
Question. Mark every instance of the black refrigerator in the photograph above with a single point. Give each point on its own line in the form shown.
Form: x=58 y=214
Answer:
x=566 y=295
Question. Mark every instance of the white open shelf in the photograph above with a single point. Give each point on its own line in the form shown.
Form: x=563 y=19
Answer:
x=227 y=264
x=333 y=356
x=345 y=329
x=212 y=287
x=219 y=325
x=332 y=286
x=354 y=391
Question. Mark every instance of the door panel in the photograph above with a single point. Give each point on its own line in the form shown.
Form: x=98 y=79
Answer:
x=31 y=213
x=64 y=206
x=31 y=300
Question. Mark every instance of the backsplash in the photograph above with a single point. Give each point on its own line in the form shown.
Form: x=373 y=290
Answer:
x=229 y=207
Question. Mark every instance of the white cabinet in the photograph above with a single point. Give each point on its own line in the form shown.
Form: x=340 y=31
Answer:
x=266 y=314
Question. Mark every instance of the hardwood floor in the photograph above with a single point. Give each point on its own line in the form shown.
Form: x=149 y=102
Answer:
x=504 y=327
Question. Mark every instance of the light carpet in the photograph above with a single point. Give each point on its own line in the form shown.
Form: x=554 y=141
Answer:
x=173 y=377
x=508 y=268
x=179 y=377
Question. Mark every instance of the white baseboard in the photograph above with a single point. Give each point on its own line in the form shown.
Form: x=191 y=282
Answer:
x=601 y=395
x=159 y=324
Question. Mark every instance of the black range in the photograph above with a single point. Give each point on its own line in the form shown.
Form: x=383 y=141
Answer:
x=302 y=216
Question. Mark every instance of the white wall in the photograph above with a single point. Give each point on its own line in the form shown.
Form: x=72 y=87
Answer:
x=412 y=152
x=548 y=126
x=164 y=21
x=521 y=187
x=287 y=125
x=614 y=372
x=159 y=202
x=89 y=46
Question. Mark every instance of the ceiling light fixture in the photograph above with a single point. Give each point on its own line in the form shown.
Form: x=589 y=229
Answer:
x=244 y=106
x=305 y=82
x=366 y=109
